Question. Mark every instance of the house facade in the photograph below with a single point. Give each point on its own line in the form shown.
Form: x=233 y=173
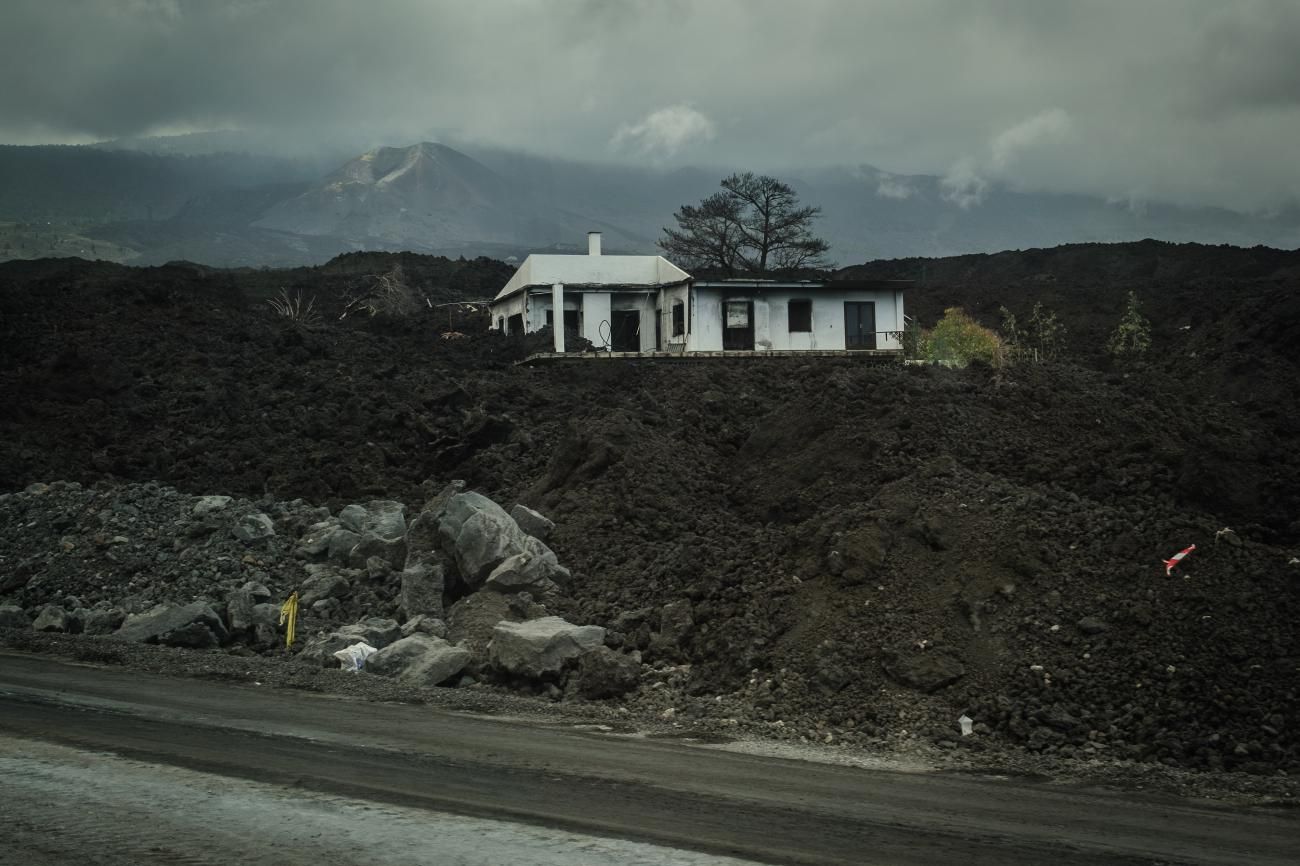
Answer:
x=645 y=305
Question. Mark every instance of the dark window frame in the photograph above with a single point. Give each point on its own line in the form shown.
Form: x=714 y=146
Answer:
x=803 y=325
x=679 y=318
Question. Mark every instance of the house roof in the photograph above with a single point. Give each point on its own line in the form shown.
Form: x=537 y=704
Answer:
x=641 y=272
x=760 y=285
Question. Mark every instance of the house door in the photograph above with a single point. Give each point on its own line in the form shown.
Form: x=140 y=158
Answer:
x=859 y=325
x=625 y=331
x=738 y=326
x=515 y=325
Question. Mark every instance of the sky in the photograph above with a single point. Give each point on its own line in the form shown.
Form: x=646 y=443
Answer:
x=1184 y=101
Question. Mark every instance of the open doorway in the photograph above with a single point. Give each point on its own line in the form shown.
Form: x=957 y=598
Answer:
x=625 y=331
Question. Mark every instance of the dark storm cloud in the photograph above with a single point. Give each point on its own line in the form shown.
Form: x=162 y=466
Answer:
x=1187 y=100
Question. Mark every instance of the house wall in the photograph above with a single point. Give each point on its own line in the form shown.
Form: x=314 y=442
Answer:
x=503 y=310
x=668 y=297
x=595 y=311
x=771 y=318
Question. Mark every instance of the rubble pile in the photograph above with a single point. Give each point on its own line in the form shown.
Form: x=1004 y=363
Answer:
x=147 y=564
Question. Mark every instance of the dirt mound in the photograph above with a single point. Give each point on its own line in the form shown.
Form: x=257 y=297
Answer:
x=818 y=548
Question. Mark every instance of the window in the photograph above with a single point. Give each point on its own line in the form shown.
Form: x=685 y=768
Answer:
x=800 y=316
x=679 y=318
x=550 y=318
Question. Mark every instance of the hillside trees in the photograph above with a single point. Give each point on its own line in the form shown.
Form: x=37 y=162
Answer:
x=755 y=225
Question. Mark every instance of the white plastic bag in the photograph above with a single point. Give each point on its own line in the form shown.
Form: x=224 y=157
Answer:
x=353 y=658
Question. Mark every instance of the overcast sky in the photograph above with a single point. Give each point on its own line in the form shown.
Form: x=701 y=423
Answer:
x=1194 y=101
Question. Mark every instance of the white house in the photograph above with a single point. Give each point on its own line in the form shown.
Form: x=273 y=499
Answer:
x=646 y=305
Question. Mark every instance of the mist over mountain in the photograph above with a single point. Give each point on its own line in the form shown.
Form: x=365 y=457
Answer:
x=216 y=199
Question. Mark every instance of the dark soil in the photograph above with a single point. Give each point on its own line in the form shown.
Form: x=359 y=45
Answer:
x=835 y=549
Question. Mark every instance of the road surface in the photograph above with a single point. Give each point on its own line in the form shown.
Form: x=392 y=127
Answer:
x=104 y=765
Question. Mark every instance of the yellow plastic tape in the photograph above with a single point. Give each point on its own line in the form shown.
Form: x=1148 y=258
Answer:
x=289 y=618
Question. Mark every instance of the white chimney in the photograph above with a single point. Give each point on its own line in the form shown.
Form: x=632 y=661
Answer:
x=593 y=243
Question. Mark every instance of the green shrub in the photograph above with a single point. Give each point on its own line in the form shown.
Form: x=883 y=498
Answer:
x=958 y=339
x=1132 y=336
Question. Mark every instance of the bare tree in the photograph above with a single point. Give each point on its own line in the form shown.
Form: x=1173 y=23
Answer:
x=754 y=225
x=708 y=234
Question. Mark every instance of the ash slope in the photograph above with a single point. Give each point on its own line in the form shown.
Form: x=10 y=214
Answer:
x=846 y=550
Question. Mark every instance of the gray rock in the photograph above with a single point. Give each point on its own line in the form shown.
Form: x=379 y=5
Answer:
x=604 y=673
x=676 y=620
x=258 y=591
x=422 y=542
x=376 y=631
x=352 y=517
x=266 y=614
x=925 y=670
x=527 y=572
x=471 y=621
x=155 y=624
x=315 y=542
x=390 y=550
x=13 y=616
x=479 y=535
x=194 y=635
x=421 y=590
x=209 y=504
x=253 y=527
x=99 y=622
x=52 y=618
x=323 y=584
x=385 y=519
x=541 y=647
x=239 y=610
x=340 y=544
x=532 y=523
x=419 y=660
x=422 y=624
x=1091 y=625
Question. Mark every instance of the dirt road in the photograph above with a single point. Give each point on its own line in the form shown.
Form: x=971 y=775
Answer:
x=267 y=758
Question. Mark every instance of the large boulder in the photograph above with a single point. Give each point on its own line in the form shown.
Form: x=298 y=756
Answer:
x=253 y=527
x=604 y=673
x=419 y=660
x=479 y=535
x=535 y=570
x=158 y=624
x=541 y=647
x=239 y=610
x=324 y=582
x=52 y=618
x=100 y=622
x=924 y=670
x=13 y=616
x=420 y=592
x=384 y=519
x=532 y=523
x=391 y=550
x=472 y=619
x=376 y=631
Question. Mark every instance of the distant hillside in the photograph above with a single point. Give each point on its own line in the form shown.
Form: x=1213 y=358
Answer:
x=154 y=202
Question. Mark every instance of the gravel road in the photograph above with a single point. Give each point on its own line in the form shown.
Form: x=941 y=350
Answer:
x=130 y=767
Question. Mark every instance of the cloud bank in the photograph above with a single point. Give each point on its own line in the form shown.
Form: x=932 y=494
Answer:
x=1191 y=101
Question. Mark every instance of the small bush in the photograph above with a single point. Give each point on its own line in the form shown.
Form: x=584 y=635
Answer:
x=958 y=339
x=1132 y=336
x=293 y=307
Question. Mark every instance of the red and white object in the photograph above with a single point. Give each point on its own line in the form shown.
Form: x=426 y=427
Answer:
x=1177 y=558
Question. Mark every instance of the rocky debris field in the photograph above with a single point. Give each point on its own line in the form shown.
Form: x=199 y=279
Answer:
x=821 y=551
x=456 y=595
